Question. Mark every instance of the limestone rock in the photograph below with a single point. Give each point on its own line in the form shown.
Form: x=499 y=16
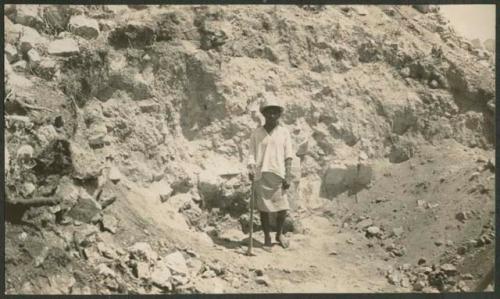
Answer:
x=11 y=53
x=462 y=216
x=109 y=223
x=84 y=26
x=20 y=66
x=398 y=231
x=365 y=223
x=343 y=177
x=108 y=194
x=105 y=271
x=142 y=251
x=176 y=263
x=86 y=209
x=264 y=280
x=106 y=251
x=25 y=152
x=161 y=276
x=449 y=269
x=27 y=15
x=132 y=81
x=29 y=39
x=47 y=68
x=27 y=189
x=34 y=58
x=373 y=231
x=85 y=164
x=114 y=174
x=63 y=47
x=142 y=270
x=148 y=106
x=209 y=186
x=97 y=134
x=86 y=235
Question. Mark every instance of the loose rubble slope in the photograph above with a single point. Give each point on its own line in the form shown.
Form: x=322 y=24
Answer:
x=126 y=132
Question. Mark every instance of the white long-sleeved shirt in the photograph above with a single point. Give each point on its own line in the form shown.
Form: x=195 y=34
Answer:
x=268 y=151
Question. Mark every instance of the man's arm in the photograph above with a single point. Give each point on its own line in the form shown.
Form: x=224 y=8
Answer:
x=288 y=161
x=288 y=174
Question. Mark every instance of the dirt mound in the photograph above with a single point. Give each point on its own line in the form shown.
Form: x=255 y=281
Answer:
x=127 y=131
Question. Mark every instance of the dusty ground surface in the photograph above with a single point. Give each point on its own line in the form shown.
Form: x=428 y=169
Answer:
x=126 y=137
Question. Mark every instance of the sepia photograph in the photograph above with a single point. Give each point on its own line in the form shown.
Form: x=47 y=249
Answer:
x=249 y=149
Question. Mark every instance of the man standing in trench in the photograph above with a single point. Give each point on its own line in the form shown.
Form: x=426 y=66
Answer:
x=269 y=165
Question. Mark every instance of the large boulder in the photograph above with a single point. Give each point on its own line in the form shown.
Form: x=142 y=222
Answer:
x=29 y=38
x=209 y=187
x=63 y=47
x=350 y=176
x=27 y=15
x=176 y=263
x=83 y=26
x=86 y=209
x=161 y=276
x=85 y=164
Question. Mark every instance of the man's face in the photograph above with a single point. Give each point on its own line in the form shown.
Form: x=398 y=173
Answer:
x=272 y=114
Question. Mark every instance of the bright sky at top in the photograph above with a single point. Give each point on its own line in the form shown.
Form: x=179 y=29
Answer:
x=471 y=21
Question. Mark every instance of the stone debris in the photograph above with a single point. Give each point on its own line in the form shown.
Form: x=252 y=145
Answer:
x=107 y=195
x=142 y=251
x=148 y=106
x=142 y=270
x=105 y=271
x=20 y=66
x=27 y=190
x=104 y=103
x=47 y=68
x=63 y=47
x=161 y=276
x=33 y=57
x=86 y=209
x=109 y=223
x=208 y=274
x=29 y=39
x=364 y=223
x=373 y=231
x=106 y=251
x=449 y=269
x=84 y=26
x=28 y=15
x=263 y=280
x=11 y=53
x=176 y=263
x=462 y=216
x=397 y=232
x=86 y=235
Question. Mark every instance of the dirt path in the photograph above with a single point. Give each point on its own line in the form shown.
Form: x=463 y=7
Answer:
x=321 y=259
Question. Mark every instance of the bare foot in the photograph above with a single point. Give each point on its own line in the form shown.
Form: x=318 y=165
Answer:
x=282 y=241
